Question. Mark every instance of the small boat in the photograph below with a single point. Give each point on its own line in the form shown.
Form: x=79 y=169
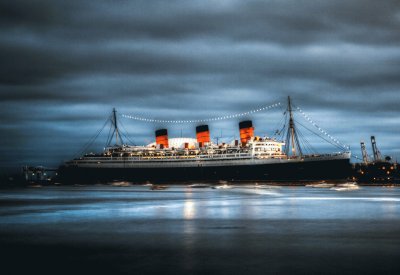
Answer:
x=321 y=185
x=158 y=187
x=265 y=186
x=148 y=184
x=121 y=183
x=223 y=186
x=348 y=186
x=199 y=185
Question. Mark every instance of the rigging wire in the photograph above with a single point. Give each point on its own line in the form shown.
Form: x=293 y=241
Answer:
x=322 y=137
x=125 y=132
x=278 y=130
x=306 y=143
x=109 y=136
x=308 y=118
x=91 y=141
x=283 y=130
x=303 y=140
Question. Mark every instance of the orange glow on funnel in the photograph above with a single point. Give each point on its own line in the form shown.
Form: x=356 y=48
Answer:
x=162 y=138
x=246 y=131
x=202 y=134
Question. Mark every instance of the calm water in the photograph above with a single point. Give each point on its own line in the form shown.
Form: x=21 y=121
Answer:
x=287 y=230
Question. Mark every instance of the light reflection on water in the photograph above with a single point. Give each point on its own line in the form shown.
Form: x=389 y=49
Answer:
x=188 y=209
x=288 y=230
x=67 y=204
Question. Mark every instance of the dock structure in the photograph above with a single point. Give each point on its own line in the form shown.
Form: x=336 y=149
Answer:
x=38 y=173
x=376 y=169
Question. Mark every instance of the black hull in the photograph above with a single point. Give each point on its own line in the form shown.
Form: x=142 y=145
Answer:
x=299 y=171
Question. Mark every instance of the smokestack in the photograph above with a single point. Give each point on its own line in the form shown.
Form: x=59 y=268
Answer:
x=202 y=134
x=246 y=131
x=162 y=138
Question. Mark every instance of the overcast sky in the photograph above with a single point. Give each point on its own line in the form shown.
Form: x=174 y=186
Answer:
x=66 y=64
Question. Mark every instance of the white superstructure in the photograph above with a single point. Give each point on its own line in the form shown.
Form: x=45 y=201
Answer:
x=257 y=151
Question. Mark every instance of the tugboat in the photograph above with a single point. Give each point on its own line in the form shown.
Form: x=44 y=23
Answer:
x=252 y=158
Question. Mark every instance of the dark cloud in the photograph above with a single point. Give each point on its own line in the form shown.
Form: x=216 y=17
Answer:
x=65 y=64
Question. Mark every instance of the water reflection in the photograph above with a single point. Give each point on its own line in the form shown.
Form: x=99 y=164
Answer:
x=91 y=203
x=390 y=210
x=197 y=231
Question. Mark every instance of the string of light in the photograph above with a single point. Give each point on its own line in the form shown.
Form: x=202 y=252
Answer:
x=152 y=120
x=320 y=129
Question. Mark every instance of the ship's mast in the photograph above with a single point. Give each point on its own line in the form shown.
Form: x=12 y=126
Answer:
x=291 y=136
x=116 y=131
x=291 y=126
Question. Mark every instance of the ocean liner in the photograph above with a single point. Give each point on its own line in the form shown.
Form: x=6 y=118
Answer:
x=252 y=158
